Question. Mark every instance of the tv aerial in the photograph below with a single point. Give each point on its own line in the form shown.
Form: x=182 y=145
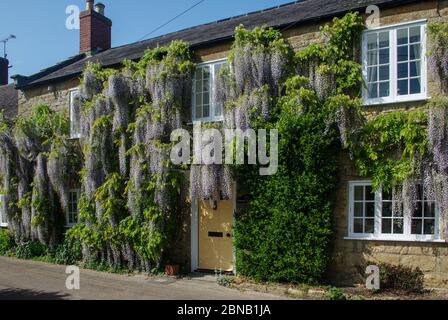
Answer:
x=4 y=41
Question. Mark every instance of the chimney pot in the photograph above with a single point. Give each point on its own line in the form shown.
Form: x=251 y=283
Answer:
x=89 y=4
x=99 y=7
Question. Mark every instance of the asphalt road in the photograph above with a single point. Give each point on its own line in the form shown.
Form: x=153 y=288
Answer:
x=40 y=281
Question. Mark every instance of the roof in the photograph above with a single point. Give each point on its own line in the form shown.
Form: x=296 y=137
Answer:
x=9 y=100
x=223 y=30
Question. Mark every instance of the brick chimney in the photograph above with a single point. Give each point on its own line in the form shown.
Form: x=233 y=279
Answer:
x=96 y=29
x=4 y=70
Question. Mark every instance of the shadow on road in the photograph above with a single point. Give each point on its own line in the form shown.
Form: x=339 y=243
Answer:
x=24 y=294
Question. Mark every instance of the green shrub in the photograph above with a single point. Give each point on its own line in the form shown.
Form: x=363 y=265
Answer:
x=69 y=252
x=284 y=234
x=29 y=250
x=336 y=294
x=6 y=242
x=225 y=281
x=401 y=278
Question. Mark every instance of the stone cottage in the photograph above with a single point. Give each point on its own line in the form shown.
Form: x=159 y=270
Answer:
x=364 y=229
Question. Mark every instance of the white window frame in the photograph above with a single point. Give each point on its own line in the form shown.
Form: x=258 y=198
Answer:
x=394 y=97
x=72 y=94
x=212 y=118
x=3 y=224
x=68 y=223
x=377 y=235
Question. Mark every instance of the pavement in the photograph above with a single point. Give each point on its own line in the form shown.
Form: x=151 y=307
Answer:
x=29 y=280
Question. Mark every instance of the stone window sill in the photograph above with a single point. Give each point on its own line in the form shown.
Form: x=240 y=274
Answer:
x=396 y=240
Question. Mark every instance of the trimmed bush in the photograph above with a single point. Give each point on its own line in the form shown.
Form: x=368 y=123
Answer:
x=284 y=234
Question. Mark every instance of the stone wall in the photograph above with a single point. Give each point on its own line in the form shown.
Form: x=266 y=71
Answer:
x=348 y=255
x=56 y=95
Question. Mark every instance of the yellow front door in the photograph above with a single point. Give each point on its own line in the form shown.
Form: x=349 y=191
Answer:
x=215 y=236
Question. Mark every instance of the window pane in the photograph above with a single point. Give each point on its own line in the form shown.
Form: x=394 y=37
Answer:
x=387 y=209
x=373 y=90
x=206 y=72
x=386 y=226
x=370 y=209
x=402 y=53
x=359 y=193
x=75 y=114
x=384 y=56
x=371 y=41
x=414 y=69
x=384 y=89
x=384 y=39
x=199 y=99
x=206 y=111
x=198 y=112
x=387 y=195
x=402 y=70
x=370 y=226
x=416 y=226
x=414 y=52
x=198 y=74
x=418 y=210
x=384 y=73
x=403 y=87
x=430 y=209
x=402 y=36
x=370 y=194
x=398 y=226
x=414 y=34
x=198 y=86
x=372 y=58
x=429 y=227
x=206 y=98
x=372 y=75
x=358 y=226
x=359 y=209
x=415 y=86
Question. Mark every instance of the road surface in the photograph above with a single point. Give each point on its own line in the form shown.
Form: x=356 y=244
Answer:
x=40 y=281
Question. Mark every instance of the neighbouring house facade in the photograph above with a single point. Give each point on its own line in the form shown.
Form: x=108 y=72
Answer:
x=397 y=78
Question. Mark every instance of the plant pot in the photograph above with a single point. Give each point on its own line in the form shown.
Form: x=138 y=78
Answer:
x=172 y=269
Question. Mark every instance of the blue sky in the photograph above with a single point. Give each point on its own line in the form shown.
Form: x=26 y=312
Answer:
x=43 y=40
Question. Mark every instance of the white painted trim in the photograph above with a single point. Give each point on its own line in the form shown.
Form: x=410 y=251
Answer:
x=194 y=241
x=211 y=62
x=212 y=117
x=72 y=92
x=397 y=25
x=378 y=236
x=393 y=240
x=194 y=233
x=394 y=97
